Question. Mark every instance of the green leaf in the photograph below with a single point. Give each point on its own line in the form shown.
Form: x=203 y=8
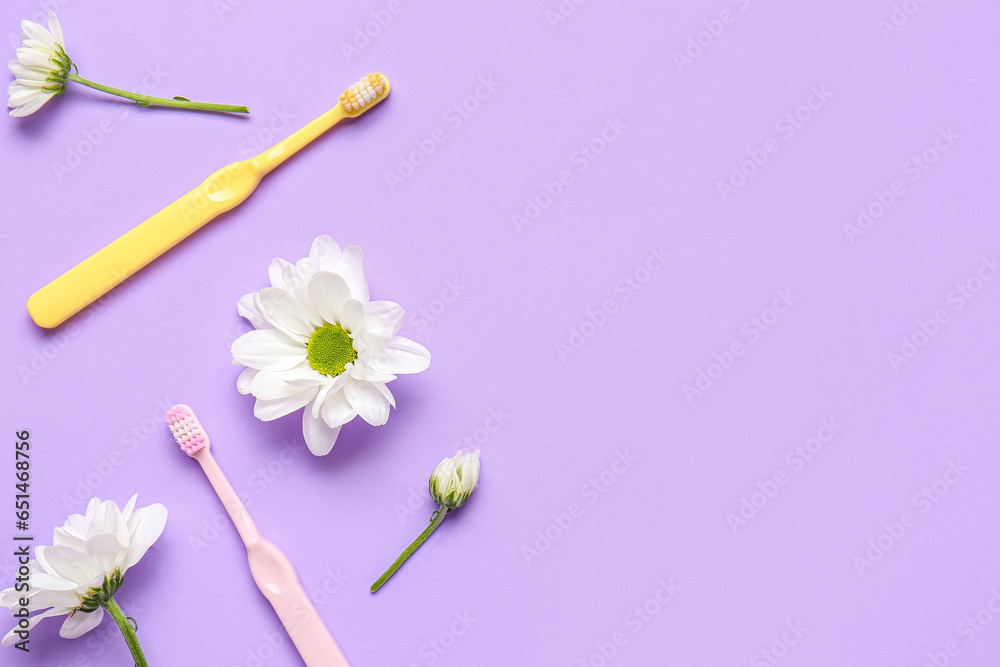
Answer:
x=182 y=99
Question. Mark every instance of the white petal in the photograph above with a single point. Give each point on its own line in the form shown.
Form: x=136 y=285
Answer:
x=268 y=350
x=267 y=410
x=365 y=373
x=352 y=314
x=63 y=563
x=276 y=272
x=10 y=638
x=129 y=507
x=385 y=392
x=280 y=309
x=270 y=385
x=145 y=526
x=53 y=582
x=103 y=550
x=319 y=437
x=31 y=30
x=324 y=391
x=56 y=29
x=80 y=623
x=22 y=96
x=245 y=380
x=402 y=355
x=247 y=307
x=371 y=405
x=390 y=310
x=304 y=270
x=325 y=251
x=31 y=107
x=376 y=331
x=328 y=292
x=337 y=410
x=29 y=77
x=47 y=598
x=34 y=59
x=350 y=266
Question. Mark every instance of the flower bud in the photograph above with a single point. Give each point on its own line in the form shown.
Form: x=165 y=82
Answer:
x=454 y=480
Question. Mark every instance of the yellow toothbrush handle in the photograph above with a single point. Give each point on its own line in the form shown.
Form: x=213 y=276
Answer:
x=283 y=150
x=104 y=270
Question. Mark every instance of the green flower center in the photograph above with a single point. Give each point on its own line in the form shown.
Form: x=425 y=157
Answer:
x=330 y=349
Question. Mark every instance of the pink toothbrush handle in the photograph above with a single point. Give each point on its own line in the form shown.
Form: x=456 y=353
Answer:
x=279 y=583
x=276 y=578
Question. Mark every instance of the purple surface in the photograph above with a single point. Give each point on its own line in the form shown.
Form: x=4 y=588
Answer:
x=572 y=328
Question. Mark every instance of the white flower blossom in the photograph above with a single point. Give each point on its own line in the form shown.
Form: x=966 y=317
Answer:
x=41 y=67
x=319 y=343
x=85 y=565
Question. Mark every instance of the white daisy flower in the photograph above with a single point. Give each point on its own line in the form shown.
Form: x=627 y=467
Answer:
x=78 y=575
x=41 y=67
x=42 y=70
x=319 y=343
x=454 y=480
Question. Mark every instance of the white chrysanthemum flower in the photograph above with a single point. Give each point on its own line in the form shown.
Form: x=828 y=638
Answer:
x=41 y=67
x=454 y=480
x=85 y=565
x=319 y=343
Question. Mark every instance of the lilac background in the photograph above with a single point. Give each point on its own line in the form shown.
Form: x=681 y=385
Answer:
x=93 y=393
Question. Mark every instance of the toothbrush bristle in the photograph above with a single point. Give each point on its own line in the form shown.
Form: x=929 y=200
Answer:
x=187 y=430
x=365 y=94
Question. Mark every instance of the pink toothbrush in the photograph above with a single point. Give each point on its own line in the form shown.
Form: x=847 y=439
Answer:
x=270 y=568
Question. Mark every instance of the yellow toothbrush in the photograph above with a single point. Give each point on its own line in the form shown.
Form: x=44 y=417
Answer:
x=225 y=189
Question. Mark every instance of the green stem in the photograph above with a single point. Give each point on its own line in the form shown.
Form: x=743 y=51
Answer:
x=126 y=628
x=436 y=520
x=146 y=100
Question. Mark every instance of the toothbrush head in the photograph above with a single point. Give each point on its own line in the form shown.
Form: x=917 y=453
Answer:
x=187 y=430
x=365 y=94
